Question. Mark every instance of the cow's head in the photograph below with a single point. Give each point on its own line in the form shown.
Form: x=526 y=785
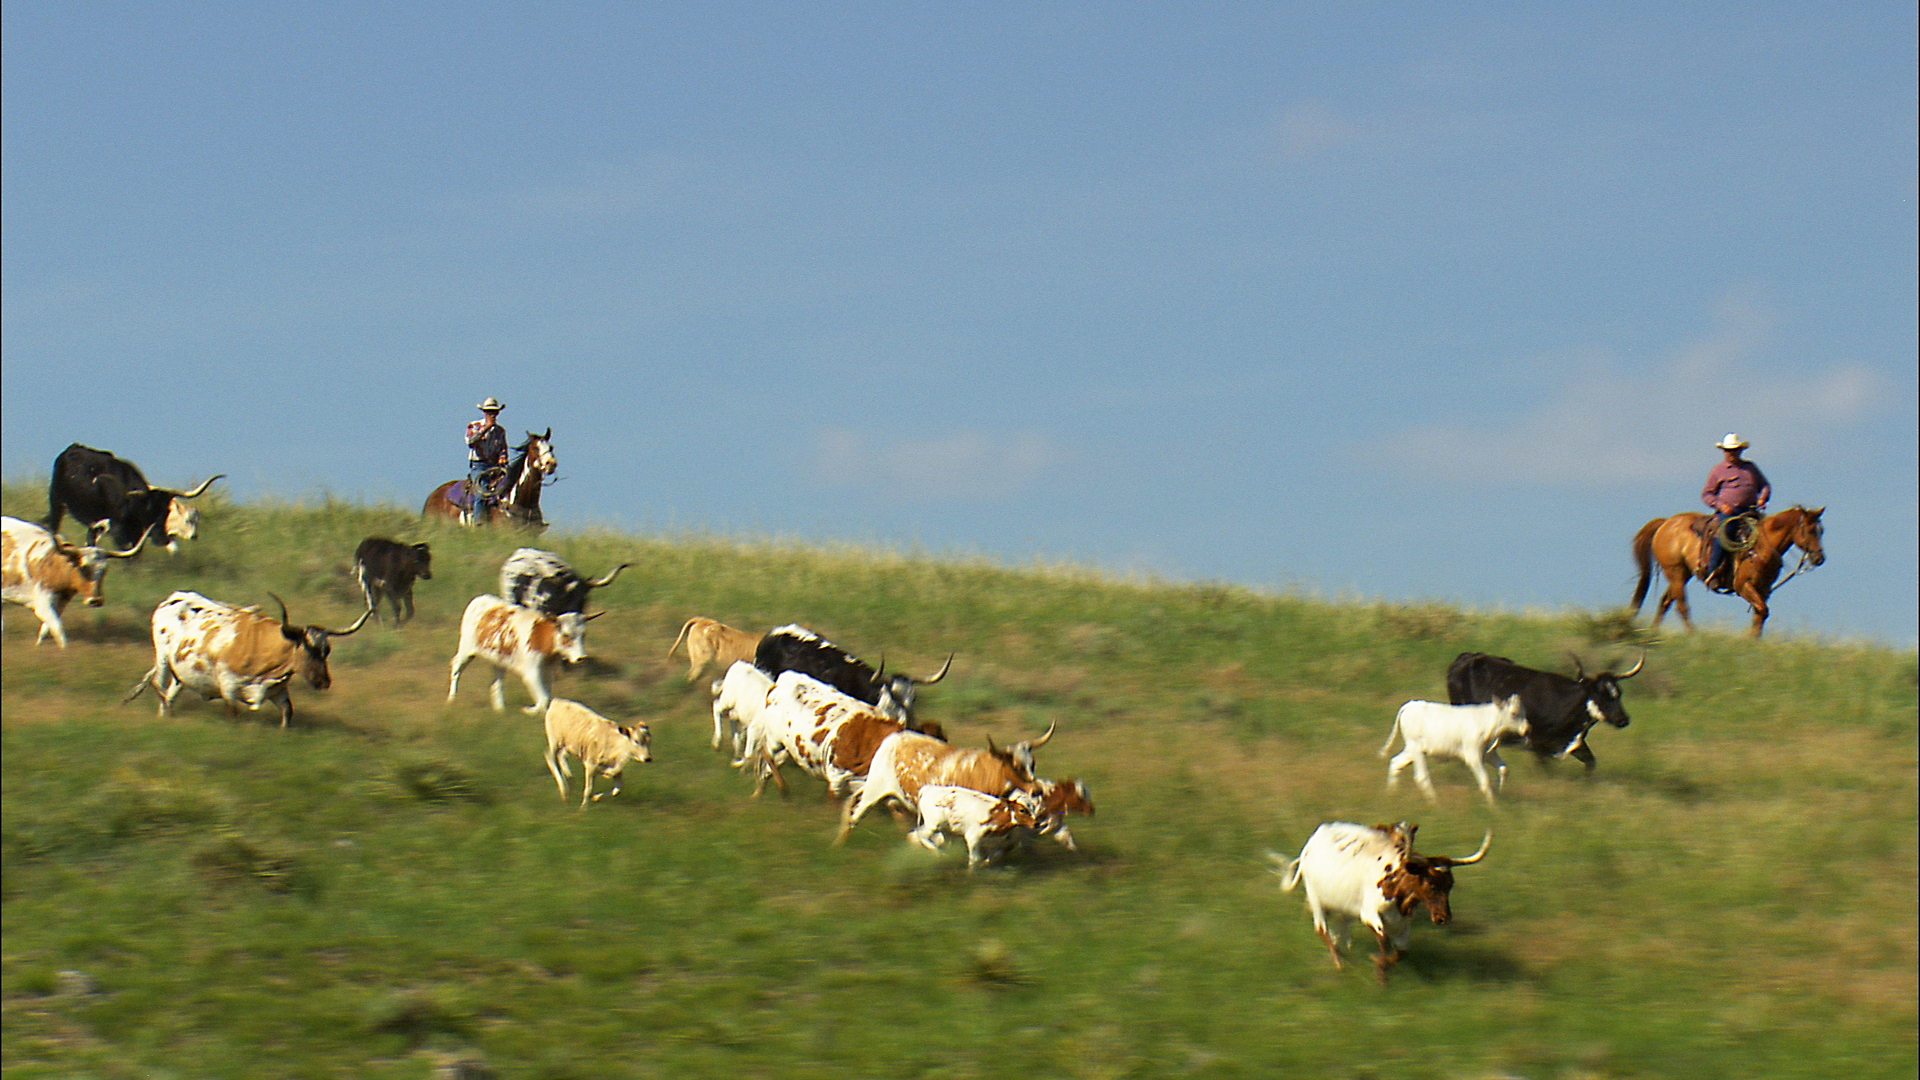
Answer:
x=1603 y=691
x=1423 y=879
x=182 y=520
x=313 y=645
x=85 y=571
x=422 y=561
x=639 y=740
x=897 y=692
x=1066 y=797
x=1020 y=754
x=570 y=635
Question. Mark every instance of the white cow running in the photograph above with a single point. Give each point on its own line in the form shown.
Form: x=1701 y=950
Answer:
x=1471 y=733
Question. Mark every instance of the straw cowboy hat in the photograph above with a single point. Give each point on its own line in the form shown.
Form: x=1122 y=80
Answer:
x=492 y=404
x=1732 y=442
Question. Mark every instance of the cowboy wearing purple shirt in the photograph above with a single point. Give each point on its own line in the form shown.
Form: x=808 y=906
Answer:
x=1735 y=486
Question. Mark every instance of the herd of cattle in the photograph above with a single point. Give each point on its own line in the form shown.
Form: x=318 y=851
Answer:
x=787 y=697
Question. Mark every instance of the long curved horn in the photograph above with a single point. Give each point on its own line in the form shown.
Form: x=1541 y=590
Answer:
x=283 y=607
x=202 y=489
x=1579 y=669
x=357 y=624
x=1036 y=744
x=608 y=580
x=938 y=675
x=144 y=537
x=1473 y=858
x=1637 y=665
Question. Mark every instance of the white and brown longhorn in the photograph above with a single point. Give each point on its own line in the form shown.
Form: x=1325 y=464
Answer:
x=44 y=573
x=235 y=654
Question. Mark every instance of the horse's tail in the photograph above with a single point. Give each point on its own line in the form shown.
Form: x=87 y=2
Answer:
x=1643 y=558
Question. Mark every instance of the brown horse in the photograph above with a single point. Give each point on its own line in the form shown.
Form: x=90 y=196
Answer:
x=526 y=474
x=1675 y=543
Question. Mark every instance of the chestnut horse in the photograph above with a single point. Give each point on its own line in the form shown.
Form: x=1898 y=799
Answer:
x=1675 y=543
x=526 y=473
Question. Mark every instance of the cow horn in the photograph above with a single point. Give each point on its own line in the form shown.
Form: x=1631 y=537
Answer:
x=202 y=489
x=1579 y=669
x=608 y=580
x=1473 y=858
x=992 y=749
x=112 y=554
x=1036 y=744
x=283 y=607
x=593 y=616
x=938 y=675
x=357 y=624
x=1637 y=665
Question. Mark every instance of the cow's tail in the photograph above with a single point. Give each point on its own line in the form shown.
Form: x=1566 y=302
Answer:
x=1643 y=558
x=683 y=635
x=1392 y=735
x=1288 y=869
x=141 y=686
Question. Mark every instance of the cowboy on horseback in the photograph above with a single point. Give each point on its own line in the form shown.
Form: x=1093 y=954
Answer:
x=486 y=458
x=1735 y=488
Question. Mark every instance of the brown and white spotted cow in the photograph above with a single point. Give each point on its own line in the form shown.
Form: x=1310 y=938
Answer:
x=235 y=654
x=520 y=640
x=818 y=728
x=44 y=573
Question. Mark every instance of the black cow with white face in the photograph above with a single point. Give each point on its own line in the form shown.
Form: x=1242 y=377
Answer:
x=544 y=582
x=1559 y=710
x=796 y=648
x=386 y=570
x=110 y=496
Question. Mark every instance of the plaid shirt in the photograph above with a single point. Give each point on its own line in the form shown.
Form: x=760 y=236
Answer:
x=486 y=443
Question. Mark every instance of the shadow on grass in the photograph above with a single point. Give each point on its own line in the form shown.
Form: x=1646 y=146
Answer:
x=1456 y=961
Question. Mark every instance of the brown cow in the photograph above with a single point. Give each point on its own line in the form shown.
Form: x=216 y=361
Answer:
x=235 y=654
x=709 y=641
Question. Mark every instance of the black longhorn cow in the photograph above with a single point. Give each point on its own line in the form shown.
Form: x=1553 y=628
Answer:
x=111 y=496
x=1559 y=711
x=796 y=648
x=544 y=582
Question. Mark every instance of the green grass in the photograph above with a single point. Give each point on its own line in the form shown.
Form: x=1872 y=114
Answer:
x=395 y=884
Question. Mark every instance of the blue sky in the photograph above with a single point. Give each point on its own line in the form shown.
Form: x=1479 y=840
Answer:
x=1178 y=288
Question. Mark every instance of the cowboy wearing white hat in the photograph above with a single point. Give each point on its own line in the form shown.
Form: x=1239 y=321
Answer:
x=486 y=453
x=1734 y=487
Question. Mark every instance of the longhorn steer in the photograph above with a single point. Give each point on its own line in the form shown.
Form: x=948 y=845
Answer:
x=601 y=745
x=544 y=582
x=1371 y=874
x=1559 y=711
x=1471 y=733
x=907 y=762
x=1055 y=800
x=235 y=654
x=710 y=642
x=386 y=569
x=44 y=573
x=796 y=648
x=517 y=639
x=111 y=496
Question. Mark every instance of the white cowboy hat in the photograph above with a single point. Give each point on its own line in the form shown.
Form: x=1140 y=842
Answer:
x=492 y=404
x=1732 y=442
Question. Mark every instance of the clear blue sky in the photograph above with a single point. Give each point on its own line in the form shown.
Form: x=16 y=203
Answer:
x=1182 y=288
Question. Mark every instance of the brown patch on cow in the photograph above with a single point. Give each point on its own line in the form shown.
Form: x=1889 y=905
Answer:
x=859 y=739
x=256 y=647
x=494 y=631
x=544 y=637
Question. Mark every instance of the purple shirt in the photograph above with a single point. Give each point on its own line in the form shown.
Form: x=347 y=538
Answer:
x=1738 y=484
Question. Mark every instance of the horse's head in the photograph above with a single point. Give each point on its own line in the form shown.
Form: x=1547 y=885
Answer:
x=1807 y=532
x=539 y=453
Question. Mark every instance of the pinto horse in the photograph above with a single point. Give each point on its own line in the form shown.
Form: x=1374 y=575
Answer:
x=520 y=506
x=1675 y=543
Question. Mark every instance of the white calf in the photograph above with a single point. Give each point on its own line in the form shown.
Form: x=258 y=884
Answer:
x=989 y=824
x=1471 y=733
x=601 y=745
x=738 y=700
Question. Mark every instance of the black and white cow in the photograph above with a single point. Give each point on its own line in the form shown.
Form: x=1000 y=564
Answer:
x=386 y=570
x=796 y=648
x=111 y=496
x=544 y=582
x=1559 y=711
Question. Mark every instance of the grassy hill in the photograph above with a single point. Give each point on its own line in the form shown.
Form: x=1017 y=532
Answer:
x=395 y=885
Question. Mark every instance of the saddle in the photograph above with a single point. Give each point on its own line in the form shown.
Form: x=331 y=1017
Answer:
x=1737 y=535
